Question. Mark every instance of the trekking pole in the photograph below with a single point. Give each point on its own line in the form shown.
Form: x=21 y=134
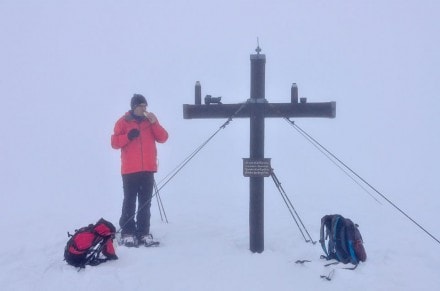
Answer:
x=291 y=213
x=160 y=210
x=291 y=209
x=157 y=200
x=159 y=203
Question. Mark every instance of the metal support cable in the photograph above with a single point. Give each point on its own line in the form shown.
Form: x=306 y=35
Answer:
x=317 y=144
x=324 y=151
x=179 y=167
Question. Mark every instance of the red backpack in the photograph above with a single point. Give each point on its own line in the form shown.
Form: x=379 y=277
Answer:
x=87 y=244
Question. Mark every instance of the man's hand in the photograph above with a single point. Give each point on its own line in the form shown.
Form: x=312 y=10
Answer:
x=132 y=134
x=151 y=117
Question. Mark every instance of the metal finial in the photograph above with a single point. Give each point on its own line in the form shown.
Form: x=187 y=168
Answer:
x=258 y=49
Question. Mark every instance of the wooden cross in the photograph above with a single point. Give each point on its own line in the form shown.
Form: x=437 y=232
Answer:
x=257 y=109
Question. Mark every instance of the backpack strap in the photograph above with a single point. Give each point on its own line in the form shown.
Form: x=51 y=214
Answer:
x=92 y=257
x=324 y=233
x=334 y=236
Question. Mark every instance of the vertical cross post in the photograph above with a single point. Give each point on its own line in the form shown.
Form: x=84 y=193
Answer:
x=257 y=109
x=256 y=143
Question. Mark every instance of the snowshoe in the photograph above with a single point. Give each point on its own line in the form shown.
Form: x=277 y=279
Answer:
x=148 y=241
x=129 y=241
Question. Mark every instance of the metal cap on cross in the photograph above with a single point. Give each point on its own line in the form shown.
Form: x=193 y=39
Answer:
x=257 y=108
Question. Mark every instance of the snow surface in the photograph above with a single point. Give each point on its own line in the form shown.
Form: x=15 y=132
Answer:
x=69 y=68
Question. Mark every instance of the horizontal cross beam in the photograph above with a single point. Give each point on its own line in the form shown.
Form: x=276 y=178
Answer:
x=319 y=109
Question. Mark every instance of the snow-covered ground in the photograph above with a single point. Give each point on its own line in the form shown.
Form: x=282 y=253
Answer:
x=69 y=68
x=205 y=247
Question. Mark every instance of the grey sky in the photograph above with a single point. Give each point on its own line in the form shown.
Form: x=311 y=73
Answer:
x=69 y=68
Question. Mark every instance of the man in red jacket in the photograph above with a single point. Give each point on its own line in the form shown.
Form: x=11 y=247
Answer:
x=136 y=134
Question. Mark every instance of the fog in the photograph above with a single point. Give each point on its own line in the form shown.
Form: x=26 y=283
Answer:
x=69 y=68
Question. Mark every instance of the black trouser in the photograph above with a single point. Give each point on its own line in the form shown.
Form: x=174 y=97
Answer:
x=136 y=185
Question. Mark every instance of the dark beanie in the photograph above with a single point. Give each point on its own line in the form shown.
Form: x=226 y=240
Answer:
x=136 y=100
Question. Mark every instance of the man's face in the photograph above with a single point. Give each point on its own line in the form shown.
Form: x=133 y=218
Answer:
x=140 y=110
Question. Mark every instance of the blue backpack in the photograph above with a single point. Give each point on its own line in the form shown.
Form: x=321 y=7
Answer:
x=345 y=242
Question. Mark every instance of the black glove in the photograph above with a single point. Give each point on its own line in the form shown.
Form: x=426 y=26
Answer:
x=132 y=134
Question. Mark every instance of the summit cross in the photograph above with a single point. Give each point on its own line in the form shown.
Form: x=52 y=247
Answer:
x=257 y=108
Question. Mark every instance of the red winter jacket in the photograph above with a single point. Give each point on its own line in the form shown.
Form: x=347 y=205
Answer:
x=139 y=154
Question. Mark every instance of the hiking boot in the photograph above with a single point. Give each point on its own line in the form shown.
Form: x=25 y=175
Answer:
x=148 y=241
x=129 y=240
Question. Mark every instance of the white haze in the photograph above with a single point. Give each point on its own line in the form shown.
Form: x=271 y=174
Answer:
x=69 y=68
